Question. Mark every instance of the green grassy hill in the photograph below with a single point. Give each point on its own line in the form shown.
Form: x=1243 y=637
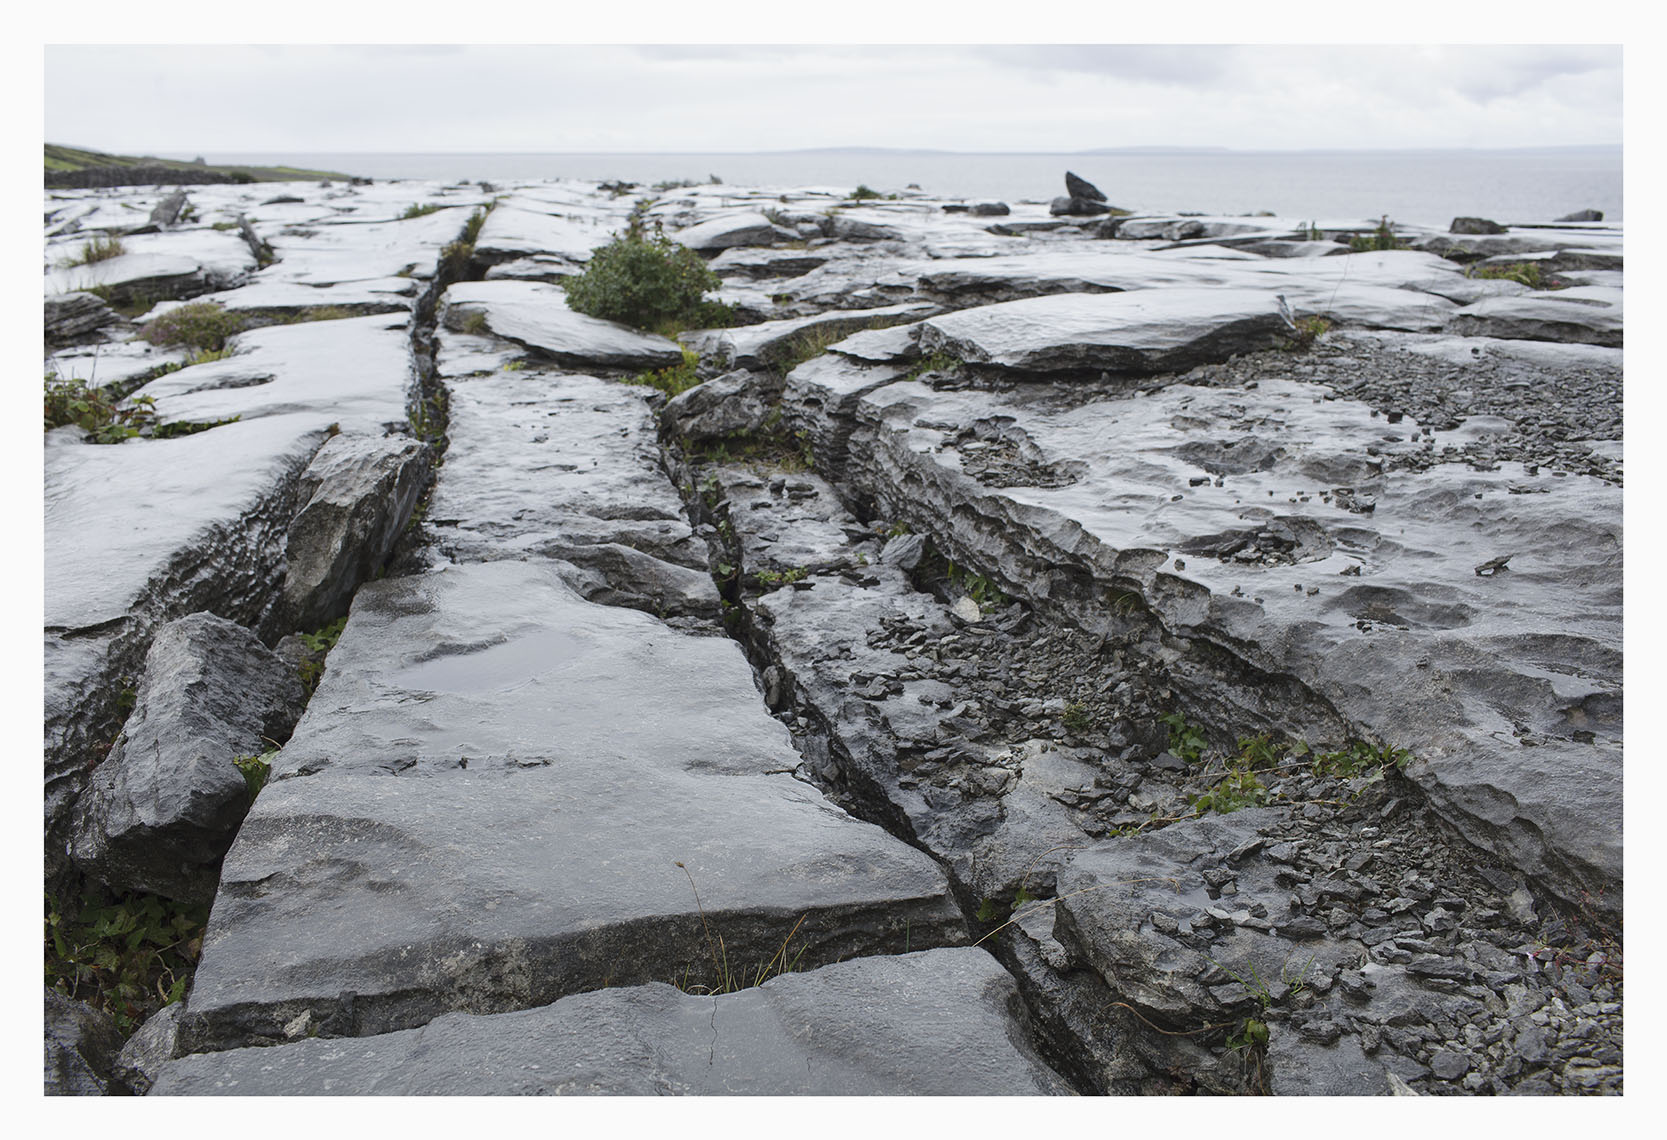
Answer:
x=66 y=161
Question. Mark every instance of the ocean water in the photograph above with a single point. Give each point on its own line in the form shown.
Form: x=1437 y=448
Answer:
x=1425 y=187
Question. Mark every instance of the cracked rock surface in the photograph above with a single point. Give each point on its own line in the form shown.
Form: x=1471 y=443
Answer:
x=1219 y=627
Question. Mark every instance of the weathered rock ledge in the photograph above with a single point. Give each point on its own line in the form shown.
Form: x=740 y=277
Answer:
x=1166 y=654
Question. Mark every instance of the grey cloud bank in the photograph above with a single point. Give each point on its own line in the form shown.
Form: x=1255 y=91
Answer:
x=760 y=97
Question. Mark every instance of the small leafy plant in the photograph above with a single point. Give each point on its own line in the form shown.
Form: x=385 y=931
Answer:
x=126 y=954
x=416 y=211
x=1185 y=740
x=256 y=770
x=939 y=361
x=318 y=644
x=863 y=193
x=673 y=381
x=1308 y=330
x=1240 y=788
x=773 y=578
x=1077 y=718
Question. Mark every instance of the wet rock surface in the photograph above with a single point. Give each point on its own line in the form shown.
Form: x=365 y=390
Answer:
x=161 y=809
x=81 y=1045
x=1221 y=624
x=938 y=1022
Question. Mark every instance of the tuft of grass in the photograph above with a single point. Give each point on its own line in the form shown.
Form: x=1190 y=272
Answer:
x=771 y=449
x=202 y=325
x=474 y=323
x=416 y=211
x=93 y=251
x=863 y=193
x=477 y=219
x=726 y=977
x=1523 y=273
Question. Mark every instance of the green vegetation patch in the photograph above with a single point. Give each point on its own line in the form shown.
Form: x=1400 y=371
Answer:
x=202 y=325
x=93 y=251
x=69 y=160
x=1523 y=273
x=673 y=381
x=126 y=954
x=643 y=280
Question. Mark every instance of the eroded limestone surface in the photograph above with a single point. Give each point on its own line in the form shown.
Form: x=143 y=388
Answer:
x=933 y=1023
x=1089 y=514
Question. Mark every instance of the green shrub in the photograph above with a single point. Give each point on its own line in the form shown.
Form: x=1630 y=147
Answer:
x=647 y=282
x=415 y=211
x=202 y=325
x=862 y=193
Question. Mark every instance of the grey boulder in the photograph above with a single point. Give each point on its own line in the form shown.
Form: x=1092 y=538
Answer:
x=1077 y=207
x=1583 y=216
x=1078 y=187
x=360 y=492
x=738 y=401
x=81 y=1042
x=161 y=810
x=1475 y=226
x=69 y=316
x=149 y=1049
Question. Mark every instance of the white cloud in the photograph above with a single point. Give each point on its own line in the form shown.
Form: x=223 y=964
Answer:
x=729 y=97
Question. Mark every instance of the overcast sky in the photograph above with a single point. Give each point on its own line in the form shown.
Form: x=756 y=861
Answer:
x=701 y=97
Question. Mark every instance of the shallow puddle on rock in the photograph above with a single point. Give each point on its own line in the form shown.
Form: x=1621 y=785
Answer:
x=506 y=666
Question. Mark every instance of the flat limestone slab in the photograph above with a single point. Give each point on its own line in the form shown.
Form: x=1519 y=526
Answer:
x=550 y=465
x=504 y=664
x=556 y=761
x=1590 y=314
x=770 y=343
x=121 y=518
x=1148 y=330
x=353 y=373
x=536 y=314
x=513 y=231
x=932 y=1023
